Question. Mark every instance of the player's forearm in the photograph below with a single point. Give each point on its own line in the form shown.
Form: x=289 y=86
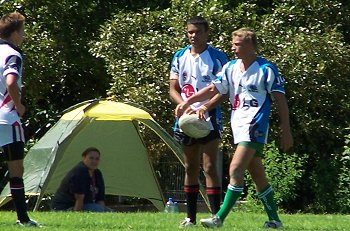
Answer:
x=215 y=101
x=12 y=87
x=206 y=93
x=175 y=97
x=174 y=91
x=283 y=111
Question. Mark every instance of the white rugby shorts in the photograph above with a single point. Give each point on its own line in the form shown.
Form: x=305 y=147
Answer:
x=11 y=133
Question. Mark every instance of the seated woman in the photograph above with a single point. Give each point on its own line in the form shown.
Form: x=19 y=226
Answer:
x=82 y=189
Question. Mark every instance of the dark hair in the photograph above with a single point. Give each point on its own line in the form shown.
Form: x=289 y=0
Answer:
x=90 y=149
x=198 y=20
x=10 y=23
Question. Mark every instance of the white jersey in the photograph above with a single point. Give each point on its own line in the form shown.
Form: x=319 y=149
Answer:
x=250 y=97
x=195 y=73
x=10 y=63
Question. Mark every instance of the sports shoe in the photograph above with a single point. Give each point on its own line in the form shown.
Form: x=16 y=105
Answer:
x=213 y=222
x=186 y=223
x=273 y=225
x=30 y=223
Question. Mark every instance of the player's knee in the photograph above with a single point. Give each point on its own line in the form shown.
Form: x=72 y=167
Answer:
x=236 y=174
x=210 y=169
x=191 y=169
x=15 y=168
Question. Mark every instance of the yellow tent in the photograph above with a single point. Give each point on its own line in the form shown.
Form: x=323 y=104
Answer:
x=113 y=128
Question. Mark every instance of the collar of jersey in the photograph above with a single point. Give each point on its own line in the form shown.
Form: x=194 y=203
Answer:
x=2 y=41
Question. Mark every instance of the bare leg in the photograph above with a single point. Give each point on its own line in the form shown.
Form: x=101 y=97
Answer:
x=213 y=186
x=191 y=184
x=264 y=189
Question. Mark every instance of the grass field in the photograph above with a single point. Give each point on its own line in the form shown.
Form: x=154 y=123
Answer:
x=150 y=221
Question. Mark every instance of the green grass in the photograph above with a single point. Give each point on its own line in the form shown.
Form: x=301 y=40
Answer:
x=148 y=221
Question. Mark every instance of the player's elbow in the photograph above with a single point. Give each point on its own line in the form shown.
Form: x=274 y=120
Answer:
x=212 y=89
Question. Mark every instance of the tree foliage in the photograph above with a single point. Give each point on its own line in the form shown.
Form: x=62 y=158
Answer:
x=306 y=39
x=83 y=49
x=59 y=71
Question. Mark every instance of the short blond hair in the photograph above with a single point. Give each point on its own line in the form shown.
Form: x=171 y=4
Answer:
x=247 y=34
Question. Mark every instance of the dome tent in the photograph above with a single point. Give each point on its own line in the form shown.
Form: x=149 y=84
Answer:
x=113 y=128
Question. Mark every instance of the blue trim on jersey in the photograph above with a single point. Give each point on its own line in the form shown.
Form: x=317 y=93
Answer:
x=259 y=126
x=182 y=51
x=13 y=62
x=263 y=63
x=219 y=77
x=178 y=54
x=278 y=81
x=229 y=80
x=217 y=124
x=217 y=55
x=231 y=63
x=176 y=125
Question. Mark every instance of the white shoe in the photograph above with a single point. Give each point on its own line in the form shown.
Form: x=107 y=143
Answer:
x=30 y=223
x=213 y=222
x=186 y=223
x=273 y=225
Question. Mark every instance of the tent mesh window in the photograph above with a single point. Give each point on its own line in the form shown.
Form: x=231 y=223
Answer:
x=171 y=175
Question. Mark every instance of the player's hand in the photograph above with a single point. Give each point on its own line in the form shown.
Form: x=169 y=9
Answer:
x=286 y=140
x=201 y=112
x=181 y=108
x=20 y=108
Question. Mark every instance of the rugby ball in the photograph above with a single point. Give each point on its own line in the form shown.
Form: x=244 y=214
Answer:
x=194 y=127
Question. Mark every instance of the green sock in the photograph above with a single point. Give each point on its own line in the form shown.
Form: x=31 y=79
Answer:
x=232 y=195
x=266 y=196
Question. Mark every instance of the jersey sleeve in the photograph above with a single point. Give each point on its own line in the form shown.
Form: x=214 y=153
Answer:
x=13 y=65
x=219 y=58
x=174 y=66
x=275 y=82
x=221 y=82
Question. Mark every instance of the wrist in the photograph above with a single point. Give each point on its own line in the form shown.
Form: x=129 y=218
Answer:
x=185 y=104
x=204 y=108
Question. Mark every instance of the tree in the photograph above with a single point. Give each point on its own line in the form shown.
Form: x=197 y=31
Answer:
x=139 y=67
x=78 y=50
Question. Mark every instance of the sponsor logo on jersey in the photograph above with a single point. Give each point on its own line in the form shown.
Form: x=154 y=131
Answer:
x=236 y=102
x=259 y=134
x=188 y=90
x=252 y=88
x=245 y=103
x=250 y=103
x=206 y=79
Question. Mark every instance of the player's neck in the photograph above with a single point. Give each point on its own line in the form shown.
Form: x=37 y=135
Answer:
x=197 y=50
x=247 y=61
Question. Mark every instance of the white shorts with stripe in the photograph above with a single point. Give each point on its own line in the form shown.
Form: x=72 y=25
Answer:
x=11 y=133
